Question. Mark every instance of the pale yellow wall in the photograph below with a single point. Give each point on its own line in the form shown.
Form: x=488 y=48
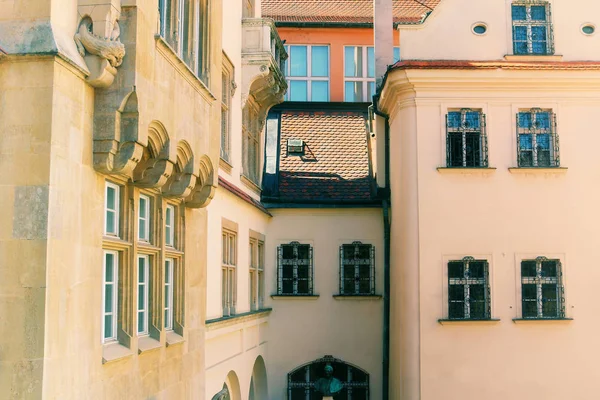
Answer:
x=500 y=216
x=50 y=298
x=304 y=329
x=447 y=35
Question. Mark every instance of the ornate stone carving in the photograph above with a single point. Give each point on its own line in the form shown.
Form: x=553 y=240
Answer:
x=205 y=187
x=102 y=55
x=155 y=168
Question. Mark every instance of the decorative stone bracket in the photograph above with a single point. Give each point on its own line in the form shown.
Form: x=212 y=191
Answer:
x=98 y=43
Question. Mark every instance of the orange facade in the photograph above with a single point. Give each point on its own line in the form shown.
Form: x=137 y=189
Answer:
x=336 y=39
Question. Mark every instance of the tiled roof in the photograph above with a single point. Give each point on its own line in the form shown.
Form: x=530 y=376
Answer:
x=335 y=164
x=343 y=11
x=500 y=64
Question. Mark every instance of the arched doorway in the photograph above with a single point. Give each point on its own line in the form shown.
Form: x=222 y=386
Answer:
x=301 y=381
x=258 y=382
x=231 y=388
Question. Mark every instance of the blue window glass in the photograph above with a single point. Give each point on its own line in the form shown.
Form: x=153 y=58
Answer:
x=353 y=61
x=319 y=91
x=525 y=142
x=298 y=91
x=542 y=120
x=454 y=119
x=370 y=91
x=538 y=13
x=525 y=120
x=396 y=54
x=353 y=91
x=298 y=61
x=370 y=62
x=472 y=120
x=543 y=142
x=320 y=61
x=519 y=13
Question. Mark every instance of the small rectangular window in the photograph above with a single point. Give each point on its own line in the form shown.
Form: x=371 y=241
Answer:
x=229 y=272
x=169 y=284
x=359 y=72
x=542 y=291
x=357 y=269
x=111 y=209
x=469 y=289
x=537 y=139
x=110 y=296
x=256 y=267
x=170 y=226
x=466 y=140
x=295 y=269
x=144 y=218
x=532 y=28
x=143 y=291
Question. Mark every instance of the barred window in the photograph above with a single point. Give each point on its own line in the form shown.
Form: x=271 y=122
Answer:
x=295 y=269
x=532 y=27
x=537 y=138
x=302 y=380
x=542 y=291
x=466 y=141
x=468 y=289
x=357 y=269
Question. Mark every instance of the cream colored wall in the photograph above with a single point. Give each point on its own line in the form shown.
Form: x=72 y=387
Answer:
x=447 y=34
x=51 y=293
x=304 y=329
x=500 y=215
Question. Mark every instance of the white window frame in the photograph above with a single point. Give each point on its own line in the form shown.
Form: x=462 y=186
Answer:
x=256 y=267
x=169 y=286
x=365 y=79
x=146 y=236
x=170 y=225
x=117 y=215
x=308 y=78
x=229 y=271
x=145 y=286
x=115 y=298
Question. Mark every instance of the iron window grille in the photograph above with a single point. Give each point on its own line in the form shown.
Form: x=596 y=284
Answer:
x=466 y=140
x=532 y=27
x=295 y=269
x=357 y=269
x=301 y=381
x=537 y=138
x=542 y=290
x=469 y=289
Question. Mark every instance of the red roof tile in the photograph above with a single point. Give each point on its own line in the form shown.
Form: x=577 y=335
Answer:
x=499 y=64
x=343 y=11
x=335 y=164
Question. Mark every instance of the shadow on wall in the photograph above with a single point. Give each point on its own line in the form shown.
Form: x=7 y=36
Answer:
x=258 y=383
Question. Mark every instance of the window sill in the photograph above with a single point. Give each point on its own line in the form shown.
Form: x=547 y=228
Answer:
x=174 y=338
x=491 y=321
x=466 y=170
x=225 y=165
x=147 y=246
x=533 y=57
x=165 y=49
x=295 y=296
x=538 y=170
x=249 y=184
x=115 y=351
x=146 y=344
x=541 y=320
x=234 y=319
x=358 y=297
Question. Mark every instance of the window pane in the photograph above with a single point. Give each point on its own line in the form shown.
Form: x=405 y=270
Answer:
x=542 y=120
x=476 y=269
x=110 y=222
x=370 y=90
x=142 y=210
x=287 y=251
x=455 y=144
x=320 y=91
x=303 y=287
x=525 y=142
x=142 y=233
x=519 y=13
x=141 y=270
x=298 y=61
x=141 y=297
x=538 y=13
x=473 y=149
x=454 y=119
x=456 y=269
x=109 y=267
x=529 y=291
x=456 y=310
x=298 y=91
x=108 y=298
x=528 y=269
x=353 y=61
x=187 y=33
x=168 y=235
x=456 y=292
x=108 y=326
x=303 y=250
x=472 y=120
x=111 y=198
x=370 y=62
x=353 y=91
x=525 y=120
x=549 y=269
x=141 y=321
x=320 y=61
x=396 y=54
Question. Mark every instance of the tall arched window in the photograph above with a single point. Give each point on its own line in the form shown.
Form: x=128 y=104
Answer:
x=301 y=381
